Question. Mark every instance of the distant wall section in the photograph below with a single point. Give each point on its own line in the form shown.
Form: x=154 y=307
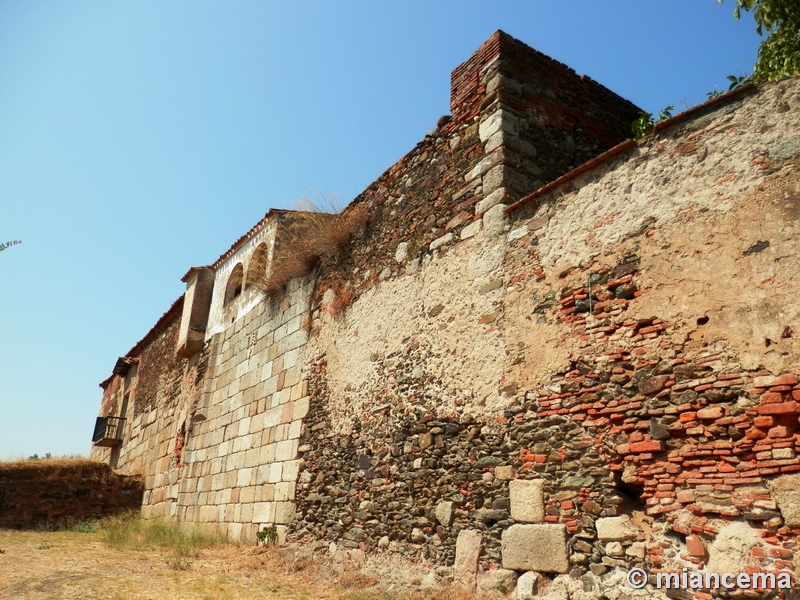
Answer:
x=63 y=493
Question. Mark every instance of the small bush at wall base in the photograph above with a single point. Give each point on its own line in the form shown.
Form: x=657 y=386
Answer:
x=268 y=536
x=180 y=560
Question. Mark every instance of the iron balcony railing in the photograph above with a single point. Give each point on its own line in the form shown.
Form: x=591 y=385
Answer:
x=108 y=431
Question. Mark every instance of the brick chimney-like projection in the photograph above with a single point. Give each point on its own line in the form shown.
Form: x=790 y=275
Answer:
x=538 y=119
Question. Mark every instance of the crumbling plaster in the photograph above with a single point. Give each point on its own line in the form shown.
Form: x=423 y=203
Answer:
x=703 y=197
x=440 y=305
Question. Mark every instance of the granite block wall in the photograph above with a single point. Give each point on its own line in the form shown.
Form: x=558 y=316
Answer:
x=240 y=464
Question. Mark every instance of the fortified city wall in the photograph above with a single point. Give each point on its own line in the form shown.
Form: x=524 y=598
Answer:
x=546 y=348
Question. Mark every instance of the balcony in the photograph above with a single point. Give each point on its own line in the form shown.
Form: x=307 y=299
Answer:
x=108 y=431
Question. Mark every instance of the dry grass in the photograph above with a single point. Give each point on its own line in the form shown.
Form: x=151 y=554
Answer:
x=302 y=240
x=59 y=469
x=49 y=463
x=129 y=532
x=73 y=566
x=356 y=580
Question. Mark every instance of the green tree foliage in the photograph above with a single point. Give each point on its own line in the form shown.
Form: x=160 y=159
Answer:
x=9 y=244
x=779 y=53
x=647 y=122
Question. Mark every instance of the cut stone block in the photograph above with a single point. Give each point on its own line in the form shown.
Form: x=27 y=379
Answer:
x=501 y=120
x=497 y=197
x=786 y=492
x=494 y=220
x=616 y=529
x=494 y=179
x=468 y=548
x=284 y=512
x=263 y=512
x=541 y=547
x=527 y=500
x=527 y=585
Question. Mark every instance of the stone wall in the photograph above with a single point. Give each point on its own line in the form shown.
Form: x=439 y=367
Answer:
x=605 y=366
x=241 y=453
x=161 y=389
x=61 y=493
x=626 y=338
x=519 y=119
x=218 y=448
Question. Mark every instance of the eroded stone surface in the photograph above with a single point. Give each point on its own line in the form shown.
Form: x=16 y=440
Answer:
x=541 y=547
x=527 y=500
x=786 y=491
x=616 y=529
x=496 y=582
x=444 y=513
x=468 y=548
x=527 y=585
x=495 y=220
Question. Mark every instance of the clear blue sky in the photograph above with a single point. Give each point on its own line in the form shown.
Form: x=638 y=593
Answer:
x=140 y=138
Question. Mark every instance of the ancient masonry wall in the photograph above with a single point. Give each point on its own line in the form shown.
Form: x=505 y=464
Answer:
x=241 y=457
x=605 y=368
x=624 y=342
x=63 y=493
x=161 y=389
x=219 y=446
x=519 y=119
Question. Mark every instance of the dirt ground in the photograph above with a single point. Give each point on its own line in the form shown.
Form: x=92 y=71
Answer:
x=42 y=565
x=68 y=565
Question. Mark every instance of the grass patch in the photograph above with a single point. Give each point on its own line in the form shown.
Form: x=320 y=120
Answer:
x=87 y=526
x=180 y=559
x=130 y=532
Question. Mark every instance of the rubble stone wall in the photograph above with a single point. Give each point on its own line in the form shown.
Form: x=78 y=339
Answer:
x=627 y=338
x=63 y=493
